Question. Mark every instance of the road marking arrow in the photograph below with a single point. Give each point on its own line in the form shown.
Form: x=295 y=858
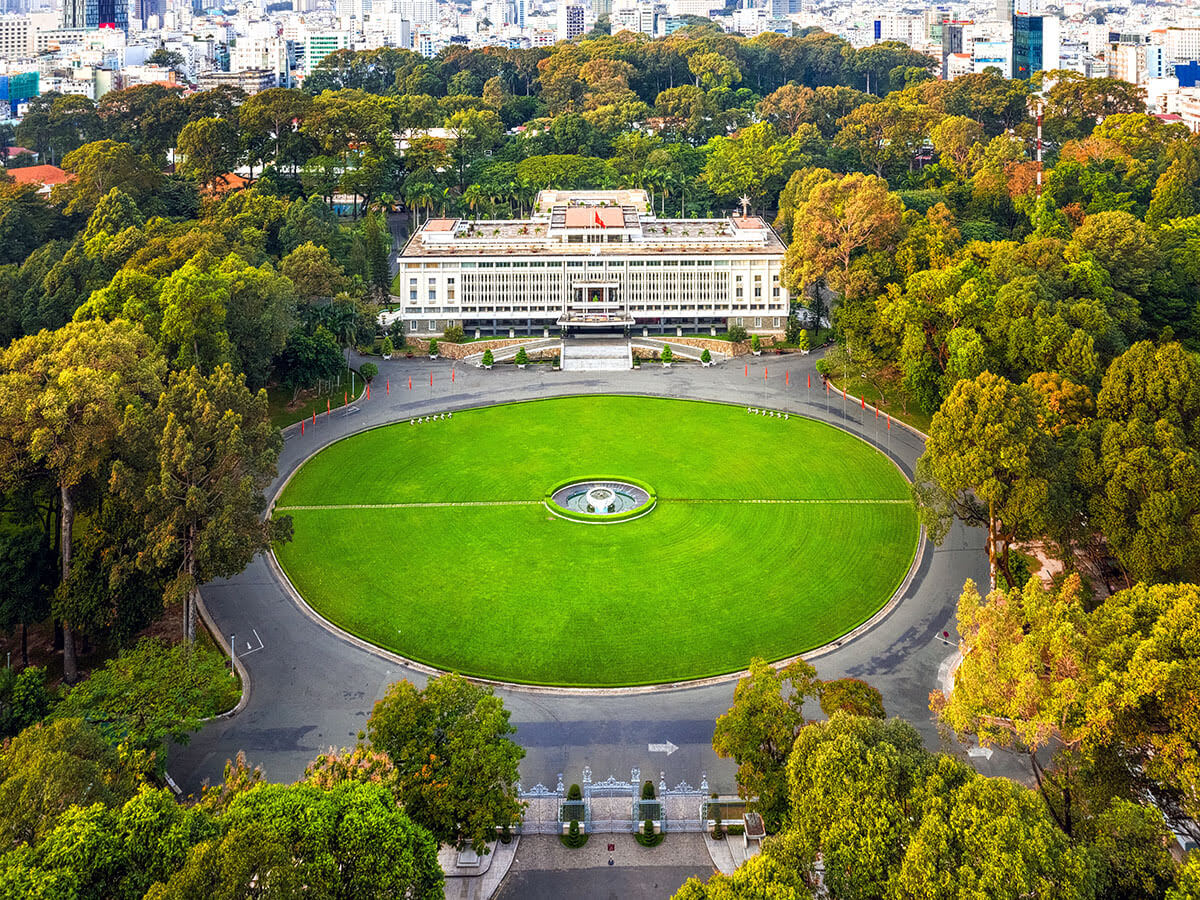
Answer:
x=985 y=752
x=667 y=748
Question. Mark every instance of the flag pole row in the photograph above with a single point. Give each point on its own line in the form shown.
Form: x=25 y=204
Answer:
x=311 y=421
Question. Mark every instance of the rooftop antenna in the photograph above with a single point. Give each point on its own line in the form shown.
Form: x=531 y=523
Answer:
x=745 y=201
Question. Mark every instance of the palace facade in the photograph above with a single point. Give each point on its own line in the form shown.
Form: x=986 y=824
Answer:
x=593 y=261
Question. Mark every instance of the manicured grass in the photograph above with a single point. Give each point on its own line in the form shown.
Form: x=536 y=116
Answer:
x=695 y=588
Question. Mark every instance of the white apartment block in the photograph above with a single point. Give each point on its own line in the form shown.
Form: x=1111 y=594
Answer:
x=992 y=55
x=1179 y=44
x=574 y=19
x=906 y=29
x=261 y=49
x=593 y=261
x=640 y=18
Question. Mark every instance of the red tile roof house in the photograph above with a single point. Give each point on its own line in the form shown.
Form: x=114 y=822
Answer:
x=45 y=176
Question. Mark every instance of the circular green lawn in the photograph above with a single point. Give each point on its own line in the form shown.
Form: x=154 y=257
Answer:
x=770 y=538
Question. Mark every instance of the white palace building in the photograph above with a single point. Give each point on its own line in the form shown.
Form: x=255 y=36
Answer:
x=593 y=261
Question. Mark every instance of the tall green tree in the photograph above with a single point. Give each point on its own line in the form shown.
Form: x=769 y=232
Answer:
x=457 y=764
x=63 y=396
x=760 y=727
x=151 y=693
x=351 y=841
x=209 y=148
x=52 y=766
x=985 y=461
x=214 y=451
x=99 y=167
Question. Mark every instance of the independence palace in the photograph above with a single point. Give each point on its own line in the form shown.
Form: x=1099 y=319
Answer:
x=593 y=261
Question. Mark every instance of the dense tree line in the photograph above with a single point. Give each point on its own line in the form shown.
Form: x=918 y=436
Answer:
x=83 y=813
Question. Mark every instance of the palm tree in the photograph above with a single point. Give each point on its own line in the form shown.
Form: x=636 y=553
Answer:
x=420 y=195
x=474 y=196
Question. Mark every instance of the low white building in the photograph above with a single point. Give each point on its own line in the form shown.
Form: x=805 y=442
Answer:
x=593 y=261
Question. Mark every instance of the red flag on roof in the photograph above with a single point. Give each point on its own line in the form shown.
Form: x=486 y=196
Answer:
x=599 y=221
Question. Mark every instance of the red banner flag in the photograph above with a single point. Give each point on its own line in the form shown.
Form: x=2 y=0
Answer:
x=314 y=415
x=431 y=379
x=328 y=408
x=410 y=382
x=387 y=388
x=877 y=410
x=301 y=428
x=864 y=403
x=787 y=377
x=599 y=221
x=747 y=370
x=889 y=423
x=810 y=379
x=764 y=373
x=452 y=374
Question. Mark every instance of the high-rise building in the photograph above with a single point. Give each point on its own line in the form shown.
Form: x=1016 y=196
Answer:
x=952 y=43
x=96 y=14
x=143 y=10
x=73 y=14
x=16 y=88
x=317 y=46
x=1035 y=42
x=572 y=19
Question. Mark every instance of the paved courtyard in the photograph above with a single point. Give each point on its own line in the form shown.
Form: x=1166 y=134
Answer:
x=546 y=870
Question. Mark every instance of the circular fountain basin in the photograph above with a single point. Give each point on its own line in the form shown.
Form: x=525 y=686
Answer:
x=600 y=500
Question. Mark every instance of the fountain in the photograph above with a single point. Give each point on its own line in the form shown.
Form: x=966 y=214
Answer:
x=599 y=499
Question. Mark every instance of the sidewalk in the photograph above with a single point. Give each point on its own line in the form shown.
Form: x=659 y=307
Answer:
x=730 y=853
x=477 y=882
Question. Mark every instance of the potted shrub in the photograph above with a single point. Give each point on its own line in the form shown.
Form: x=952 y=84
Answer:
x=718 y=832
x=433 y=351
x=755 y=345
x=802 y=340
x=368 y=371
x=667 y=356
x=706 y=358
x=488 y=359
x=387 y=348
x=522 y=358
x=557 y=362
